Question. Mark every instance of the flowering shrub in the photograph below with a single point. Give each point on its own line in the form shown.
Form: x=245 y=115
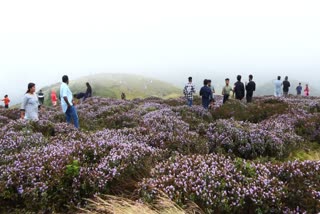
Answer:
x=216 y=183
x=248 y=140
x=220 y=184
x=309 y=128
x=50 y=166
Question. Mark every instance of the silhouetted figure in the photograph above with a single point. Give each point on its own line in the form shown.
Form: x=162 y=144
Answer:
x=250 y=88
x=299 y=89
x=123 y=96
x=239 y=89
x=88 y=92
x=286 y=86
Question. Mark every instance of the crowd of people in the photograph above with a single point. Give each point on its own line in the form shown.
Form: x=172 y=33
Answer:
x=32 y=102
x=238 y=91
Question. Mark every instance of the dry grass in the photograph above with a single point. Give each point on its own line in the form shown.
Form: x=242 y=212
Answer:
x=118 y=205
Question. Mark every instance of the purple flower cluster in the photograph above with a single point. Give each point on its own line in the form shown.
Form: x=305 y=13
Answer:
x=220 y=184
x=271 y=137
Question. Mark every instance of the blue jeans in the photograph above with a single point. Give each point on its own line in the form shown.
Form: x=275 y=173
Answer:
x=189 y=102
x=205 y=103
x=71 y=113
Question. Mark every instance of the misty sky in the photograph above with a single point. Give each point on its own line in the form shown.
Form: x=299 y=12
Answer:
x=169 y=39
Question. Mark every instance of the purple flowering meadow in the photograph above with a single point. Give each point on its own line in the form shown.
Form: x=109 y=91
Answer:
x=233 y=158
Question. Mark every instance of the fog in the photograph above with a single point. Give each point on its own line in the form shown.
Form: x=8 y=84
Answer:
x=170 y=40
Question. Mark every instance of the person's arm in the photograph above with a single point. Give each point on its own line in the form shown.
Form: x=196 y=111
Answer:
x=67 y=101
x=23 y=107
x=65 y=96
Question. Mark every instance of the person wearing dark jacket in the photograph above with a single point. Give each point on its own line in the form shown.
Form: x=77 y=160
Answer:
x=250 y=88
x=286 y=86
x=206 y=94
x=88 y=92
x=239 y=89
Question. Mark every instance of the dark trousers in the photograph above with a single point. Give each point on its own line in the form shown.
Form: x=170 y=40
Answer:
x=205 y=103
x=6 y=106
x=225 y=98
x=249 y=98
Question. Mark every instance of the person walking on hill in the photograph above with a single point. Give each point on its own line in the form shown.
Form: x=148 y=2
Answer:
x=6 y=101
x=30 y=105
x=307 y=90
x=286 y=86
x=188 y=91
x=41 y=97
x=53 y=98
x=206 y=94
x=67 y=102
x=226 y=90
x=250 y=88
x=239 y=89
x=277 y=87
x=299 y=89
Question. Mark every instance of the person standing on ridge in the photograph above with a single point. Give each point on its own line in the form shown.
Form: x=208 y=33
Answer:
x=307 y=90
x=226 y=90
x=206 y=94
x=286 y=86
x=250 y=88
x=277 y=87
x=30 y=105
x=67 y=102
x=299 y=89
x=41 y=97
x=188 y=91
x=239 y=89
x=6 y=101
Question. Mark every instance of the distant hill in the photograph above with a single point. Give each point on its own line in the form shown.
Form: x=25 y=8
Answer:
x=112 y=85
x=268 y=88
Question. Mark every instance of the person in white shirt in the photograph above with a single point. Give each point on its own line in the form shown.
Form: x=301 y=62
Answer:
x=277 y=87
x=30 y=105
x=67 y=102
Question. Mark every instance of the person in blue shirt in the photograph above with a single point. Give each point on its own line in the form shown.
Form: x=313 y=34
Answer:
x=67 y=102
x=206 y=94
x=299 y=89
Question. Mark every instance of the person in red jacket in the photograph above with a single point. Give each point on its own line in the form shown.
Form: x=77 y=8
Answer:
x=53 y=98
x=6 y=101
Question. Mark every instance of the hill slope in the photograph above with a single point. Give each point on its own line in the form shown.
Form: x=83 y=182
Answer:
x=112 y=85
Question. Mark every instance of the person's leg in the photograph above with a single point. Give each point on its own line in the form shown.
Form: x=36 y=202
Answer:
x=68 y=115
x=6 y=106
x=190 y=102
x=74 y=116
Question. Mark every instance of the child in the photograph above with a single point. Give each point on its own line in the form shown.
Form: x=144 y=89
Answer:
x=6 y=101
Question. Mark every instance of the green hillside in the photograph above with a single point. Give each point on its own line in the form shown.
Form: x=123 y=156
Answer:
x=112 y=85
